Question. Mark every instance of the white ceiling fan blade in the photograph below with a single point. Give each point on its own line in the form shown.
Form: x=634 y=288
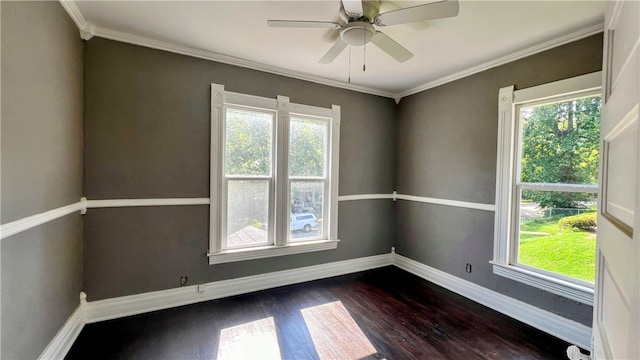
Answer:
x=391 y=47
x=392 y=5
x=431 y=11
x=353 y=8
x=331 y=36
x=303 y=24
x=333 y=53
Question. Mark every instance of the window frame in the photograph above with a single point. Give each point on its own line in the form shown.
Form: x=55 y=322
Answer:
x=508 y=185
x=279 y=195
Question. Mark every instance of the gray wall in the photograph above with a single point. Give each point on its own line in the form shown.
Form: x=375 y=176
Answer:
x=41 y=170
x=447 y=144
x=146 y=135
x=147 y=115
x=146 y=126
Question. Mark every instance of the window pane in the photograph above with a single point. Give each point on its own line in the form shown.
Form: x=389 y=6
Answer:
x=560 y=142
x=247 y=212
x=307 y=206
x=560 y=239
x=248 y=142
x=307 y=147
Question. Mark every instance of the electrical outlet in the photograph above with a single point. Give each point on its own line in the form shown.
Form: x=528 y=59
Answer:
x=184 y=280
x=468 y=267
x=201 y=288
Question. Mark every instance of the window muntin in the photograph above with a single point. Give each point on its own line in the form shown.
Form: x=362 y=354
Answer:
x=557 y=169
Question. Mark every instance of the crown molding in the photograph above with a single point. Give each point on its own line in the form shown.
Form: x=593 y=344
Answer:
x=230 y=60
x=88 y=30
x=571 y=37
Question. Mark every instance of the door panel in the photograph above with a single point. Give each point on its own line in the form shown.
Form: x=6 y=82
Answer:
x=619 y=189
x=616 y=320
x=614 y=313
x=624 y=39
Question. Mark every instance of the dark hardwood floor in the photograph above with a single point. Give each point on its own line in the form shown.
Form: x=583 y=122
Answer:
x=378 y=314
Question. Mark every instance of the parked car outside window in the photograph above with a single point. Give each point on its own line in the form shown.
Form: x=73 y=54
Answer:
x=303 y=221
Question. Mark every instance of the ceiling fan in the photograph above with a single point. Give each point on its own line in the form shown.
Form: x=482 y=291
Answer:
x=359 y=18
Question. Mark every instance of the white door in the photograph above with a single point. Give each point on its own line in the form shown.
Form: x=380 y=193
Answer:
x=616 y=316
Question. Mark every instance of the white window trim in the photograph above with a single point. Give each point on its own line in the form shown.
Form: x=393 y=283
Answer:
x=280 y=222
x=503 y=246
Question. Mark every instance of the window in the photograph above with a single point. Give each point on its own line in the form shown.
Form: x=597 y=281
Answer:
x=547 y=185
x=274 y=177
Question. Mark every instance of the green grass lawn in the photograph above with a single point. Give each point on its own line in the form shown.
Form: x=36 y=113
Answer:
x=563 y=251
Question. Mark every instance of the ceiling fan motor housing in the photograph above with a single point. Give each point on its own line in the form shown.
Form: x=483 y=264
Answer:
x=357 y=33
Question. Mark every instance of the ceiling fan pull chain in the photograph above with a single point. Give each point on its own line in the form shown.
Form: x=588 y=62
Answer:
x=364 y=56
x=349 y=64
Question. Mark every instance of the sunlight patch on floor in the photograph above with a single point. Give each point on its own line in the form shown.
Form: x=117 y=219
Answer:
x=253 y=340
x=335 y=334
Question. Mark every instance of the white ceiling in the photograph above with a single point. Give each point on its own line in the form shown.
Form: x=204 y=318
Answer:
x=237 y=32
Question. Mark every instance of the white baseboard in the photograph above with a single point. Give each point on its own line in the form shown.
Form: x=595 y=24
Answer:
x=157 y=300
x=94 y=311
x=61 y=343
x=556 y=325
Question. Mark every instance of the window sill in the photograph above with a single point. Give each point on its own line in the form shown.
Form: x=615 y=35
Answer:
x=270 y=251
x=579 y=293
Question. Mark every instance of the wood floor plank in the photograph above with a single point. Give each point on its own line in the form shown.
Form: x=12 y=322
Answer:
x=384 y=313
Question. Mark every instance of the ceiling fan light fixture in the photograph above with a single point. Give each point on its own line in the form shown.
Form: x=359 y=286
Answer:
x=357 y=33
x=361 y=16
